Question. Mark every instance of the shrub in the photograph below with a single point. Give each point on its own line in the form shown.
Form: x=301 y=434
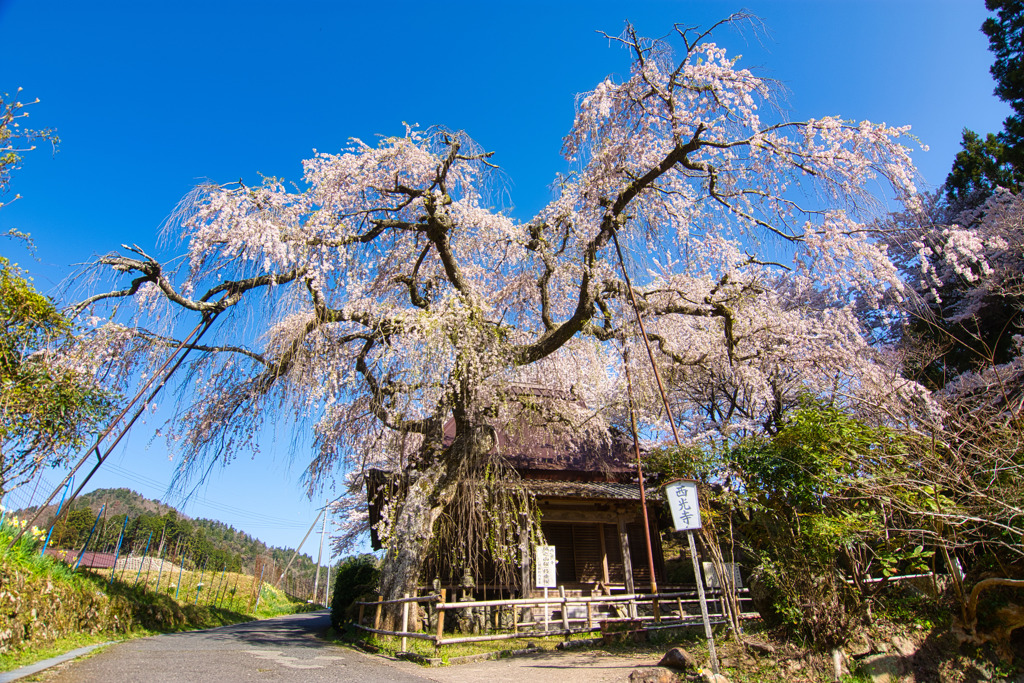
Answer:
x=357 y=578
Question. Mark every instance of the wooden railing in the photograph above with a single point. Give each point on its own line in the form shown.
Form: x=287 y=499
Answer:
x=666 y=610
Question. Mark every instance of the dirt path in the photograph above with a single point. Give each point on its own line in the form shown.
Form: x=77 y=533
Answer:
x=543 y=667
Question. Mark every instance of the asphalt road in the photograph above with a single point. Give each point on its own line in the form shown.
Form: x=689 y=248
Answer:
x=281 y=649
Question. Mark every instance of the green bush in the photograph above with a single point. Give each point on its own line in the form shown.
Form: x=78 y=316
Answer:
x=357 y=578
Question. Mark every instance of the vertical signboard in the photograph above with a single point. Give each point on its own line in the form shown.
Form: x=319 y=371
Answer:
x=682 y=501
x=545 y=555
x=685 y=508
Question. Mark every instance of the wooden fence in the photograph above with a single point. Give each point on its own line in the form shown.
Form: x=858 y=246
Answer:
x=557 y=615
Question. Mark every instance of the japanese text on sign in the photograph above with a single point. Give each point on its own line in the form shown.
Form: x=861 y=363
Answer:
x=682 y=501
x=546 y=566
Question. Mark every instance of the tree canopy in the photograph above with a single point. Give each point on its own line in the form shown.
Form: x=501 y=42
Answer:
x=46 y=406
x=390 y=294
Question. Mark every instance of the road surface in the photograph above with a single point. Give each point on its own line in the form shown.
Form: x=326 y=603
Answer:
x=280 y=649
x=287 y=649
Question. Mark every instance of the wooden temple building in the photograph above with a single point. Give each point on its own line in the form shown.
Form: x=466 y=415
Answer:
x=589 y=499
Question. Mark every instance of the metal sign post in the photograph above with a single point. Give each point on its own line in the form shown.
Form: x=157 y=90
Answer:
x=685 y=508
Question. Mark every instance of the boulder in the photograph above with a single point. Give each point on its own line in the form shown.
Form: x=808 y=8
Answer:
x=882 y=668
x=904 y=646
x=761 y=647
x=653 y=674
x=860 y=645
x=678 y=658
x=707 y=677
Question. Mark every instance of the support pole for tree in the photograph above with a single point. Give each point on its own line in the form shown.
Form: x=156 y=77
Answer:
x=117 y=552
x=139 y=573
x=55 y=518
x=89 y=538
x=181 y=567
x=199 y=330
x=672 y=424
x=640 y=477
x=160 y=557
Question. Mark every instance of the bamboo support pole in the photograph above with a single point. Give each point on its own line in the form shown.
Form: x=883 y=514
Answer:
x=405 y=623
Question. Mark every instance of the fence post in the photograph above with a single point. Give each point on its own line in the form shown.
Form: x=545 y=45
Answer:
x=440 y=618
x=405 y=622
x=565 y=608
x=362 y=609
x=547 y=625
x=376 y=619
x=590 y=615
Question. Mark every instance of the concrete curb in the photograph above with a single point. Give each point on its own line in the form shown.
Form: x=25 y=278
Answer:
x=25 y=671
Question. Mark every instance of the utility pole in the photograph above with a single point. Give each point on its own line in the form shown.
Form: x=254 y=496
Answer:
x=319 y=555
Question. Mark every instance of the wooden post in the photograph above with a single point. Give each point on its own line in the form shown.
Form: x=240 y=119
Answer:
x=546 y=626
x=362 y=609
x=605 y=574
x=679 y=604
x=627 y=562
x=565 y=608
x=376 y=619
x=405 y=622
x=590 y=615
x=440 y=618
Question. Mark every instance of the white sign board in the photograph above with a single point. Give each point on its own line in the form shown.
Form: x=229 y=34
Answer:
x=682 y=501
x=545 y=555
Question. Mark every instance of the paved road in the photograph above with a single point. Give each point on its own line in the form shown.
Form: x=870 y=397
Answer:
x=281 y=649
x=287 y=649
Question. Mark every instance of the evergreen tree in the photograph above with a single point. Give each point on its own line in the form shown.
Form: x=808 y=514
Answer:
x=998 y=160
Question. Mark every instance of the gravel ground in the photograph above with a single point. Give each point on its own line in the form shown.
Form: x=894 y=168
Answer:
x=561 y=667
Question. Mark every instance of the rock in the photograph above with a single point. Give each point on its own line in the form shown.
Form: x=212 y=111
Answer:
x=904 y=646
x=707 y=677
x=654 y=674
x=859 y=646
x=882 y=668
x=983 y=672
x=839 y=667
x=761 y=647
x=678 y=658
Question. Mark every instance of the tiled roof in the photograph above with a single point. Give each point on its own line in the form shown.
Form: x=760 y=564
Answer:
x=588 y=489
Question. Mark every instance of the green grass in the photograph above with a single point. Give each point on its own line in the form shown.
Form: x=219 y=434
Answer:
x=16 y=660
x=136 y=610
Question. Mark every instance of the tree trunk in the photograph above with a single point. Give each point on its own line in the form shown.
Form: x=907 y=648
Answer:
x=428 y=492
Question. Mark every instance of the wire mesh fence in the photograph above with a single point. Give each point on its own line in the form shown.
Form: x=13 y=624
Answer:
x=157 y=554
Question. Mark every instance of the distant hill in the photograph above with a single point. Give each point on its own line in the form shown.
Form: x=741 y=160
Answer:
x=121 y=501
x=171 y=534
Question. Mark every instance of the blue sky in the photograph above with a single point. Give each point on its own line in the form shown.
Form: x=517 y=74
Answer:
x=150 y=98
